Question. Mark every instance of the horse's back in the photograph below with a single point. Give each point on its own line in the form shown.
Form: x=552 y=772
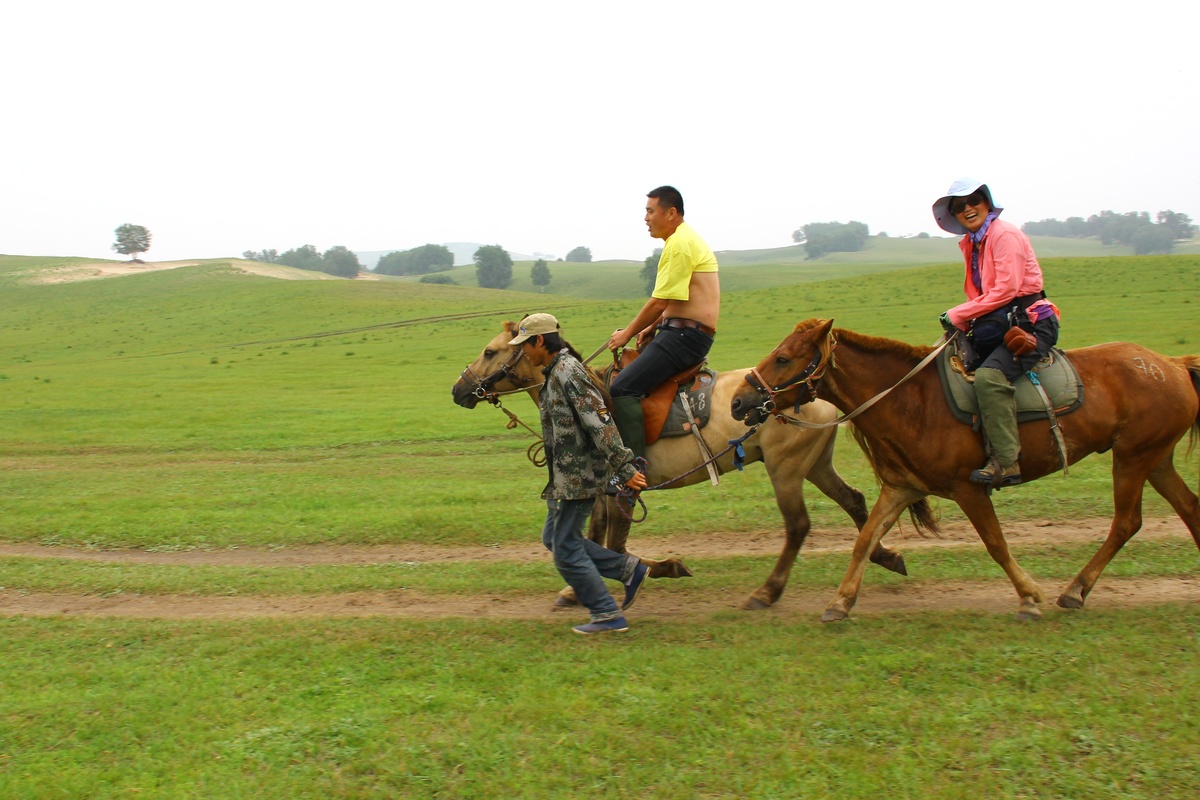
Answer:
x=1131 y=380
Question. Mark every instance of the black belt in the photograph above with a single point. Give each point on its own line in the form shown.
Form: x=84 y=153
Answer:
x=680 y=322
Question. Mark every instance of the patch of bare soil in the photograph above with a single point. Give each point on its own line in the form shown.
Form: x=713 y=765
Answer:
x=69 y=273
x=989 y=596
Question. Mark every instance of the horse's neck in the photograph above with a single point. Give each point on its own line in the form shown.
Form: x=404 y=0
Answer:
x=864 y=367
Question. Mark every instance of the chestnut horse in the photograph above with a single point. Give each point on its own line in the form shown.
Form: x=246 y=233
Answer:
x=790 y=455
x=1137 y=403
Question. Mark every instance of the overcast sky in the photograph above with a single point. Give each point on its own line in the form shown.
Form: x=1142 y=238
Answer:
x=230 y=126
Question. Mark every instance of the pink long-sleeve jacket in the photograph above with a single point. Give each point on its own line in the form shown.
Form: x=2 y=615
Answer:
x=1008 y=268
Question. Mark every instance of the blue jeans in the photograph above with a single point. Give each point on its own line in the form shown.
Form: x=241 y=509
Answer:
x=671 y=351
x=582 y=563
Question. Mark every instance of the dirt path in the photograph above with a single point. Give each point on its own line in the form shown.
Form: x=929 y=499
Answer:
x=989 y=596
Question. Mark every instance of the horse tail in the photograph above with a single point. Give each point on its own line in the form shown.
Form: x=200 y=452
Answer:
x=923 y=518
x=1192 y=365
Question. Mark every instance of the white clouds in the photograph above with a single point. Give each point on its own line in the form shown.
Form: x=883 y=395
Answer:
x=230 y=126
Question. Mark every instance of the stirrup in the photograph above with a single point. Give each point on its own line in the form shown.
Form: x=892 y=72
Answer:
x=993 y=475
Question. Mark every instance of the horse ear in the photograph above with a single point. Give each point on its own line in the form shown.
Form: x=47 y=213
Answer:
x=509 y=326
x=826 y=327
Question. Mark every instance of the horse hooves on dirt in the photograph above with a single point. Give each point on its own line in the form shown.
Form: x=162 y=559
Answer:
x=752 y=603
x=566 y=598
x=1029 y=612
x=834 y=615
x=1070 y=601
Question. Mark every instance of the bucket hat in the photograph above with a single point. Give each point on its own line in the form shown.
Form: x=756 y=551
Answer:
x=960 y=188
x=533 y=325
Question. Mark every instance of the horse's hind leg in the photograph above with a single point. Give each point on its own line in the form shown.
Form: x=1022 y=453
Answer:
x=825 y=477
x=1168 y=483
x=1127 y=496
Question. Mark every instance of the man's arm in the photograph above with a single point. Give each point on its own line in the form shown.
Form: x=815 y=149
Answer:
x=649 y=316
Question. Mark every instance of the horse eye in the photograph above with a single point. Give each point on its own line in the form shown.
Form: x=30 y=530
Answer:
x=489 y=353
x=781 y=361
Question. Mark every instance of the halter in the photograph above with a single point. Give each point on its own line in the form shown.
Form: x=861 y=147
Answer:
x=483 y=385
x=810 y=377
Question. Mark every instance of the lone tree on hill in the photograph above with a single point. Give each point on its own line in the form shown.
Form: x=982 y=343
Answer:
x=580 y=255
x=540 y=274
x=131 y=241
x=493 y=267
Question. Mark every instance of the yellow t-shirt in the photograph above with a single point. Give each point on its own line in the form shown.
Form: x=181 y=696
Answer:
x=683 y=253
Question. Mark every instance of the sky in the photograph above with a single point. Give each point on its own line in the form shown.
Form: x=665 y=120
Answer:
x=230 y=126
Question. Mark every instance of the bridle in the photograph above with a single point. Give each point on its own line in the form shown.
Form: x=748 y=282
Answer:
x=483 y=385
x=810 y=377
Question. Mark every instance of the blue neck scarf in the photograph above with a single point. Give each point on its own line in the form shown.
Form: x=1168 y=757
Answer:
x=977 y=247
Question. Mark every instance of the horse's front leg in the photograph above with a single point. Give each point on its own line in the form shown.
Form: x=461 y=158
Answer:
x=979 y=510
x=887 y=510
x=831 y=484
x=796 y=527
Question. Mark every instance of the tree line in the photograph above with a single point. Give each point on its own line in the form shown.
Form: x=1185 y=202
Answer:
x=820 y=238
x=337 y=260
x=1132 y=228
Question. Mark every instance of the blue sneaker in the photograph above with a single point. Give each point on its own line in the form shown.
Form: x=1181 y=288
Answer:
x=634 y=586
x=618 y=625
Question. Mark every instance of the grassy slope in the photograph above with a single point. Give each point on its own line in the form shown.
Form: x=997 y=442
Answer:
x=201 y=407
x=204 y=407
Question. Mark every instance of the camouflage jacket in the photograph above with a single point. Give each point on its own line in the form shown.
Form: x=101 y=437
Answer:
x=583 y=447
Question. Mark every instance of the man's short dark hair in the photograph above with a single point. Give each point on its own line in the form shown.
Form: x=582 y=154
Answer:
x=668 y=197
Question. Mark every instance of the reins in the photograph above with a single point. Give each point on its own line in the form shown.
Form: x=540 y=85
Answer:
x=812 y=375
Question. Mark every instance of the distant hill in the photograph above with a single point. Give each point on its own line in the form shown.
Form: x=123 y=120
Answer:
x=464 y=253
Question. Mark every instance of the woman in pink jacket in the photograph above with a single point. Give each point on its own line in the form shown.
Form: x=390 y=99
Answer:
x=1004 y=290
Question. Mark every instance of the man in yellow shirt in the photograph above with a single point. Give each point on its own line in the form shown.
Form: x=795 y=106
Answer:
x=676 y=326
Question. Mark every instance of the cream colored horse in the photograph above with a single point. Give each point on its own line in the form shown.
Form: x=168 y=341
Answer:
x=789 y=453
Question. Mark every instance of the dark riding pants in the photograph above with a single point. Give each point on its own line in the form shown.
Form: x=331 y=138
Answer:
x=670 y=352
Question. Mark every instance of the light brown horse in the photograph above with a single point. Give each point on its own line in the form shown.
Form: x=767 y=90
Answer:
x=790 y=455
x=1137 y=403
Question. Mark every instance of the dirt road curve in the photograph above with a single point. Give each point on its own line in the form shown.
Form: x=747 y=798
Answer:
x=989 y=596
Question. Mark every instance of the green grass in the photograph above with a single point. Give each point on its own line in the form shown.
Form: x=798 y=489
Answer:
x=1096 y=705
x=202 y=408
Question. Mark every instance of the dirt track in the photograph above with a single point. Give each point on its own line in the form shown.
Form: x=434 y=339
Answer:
x=989 y=596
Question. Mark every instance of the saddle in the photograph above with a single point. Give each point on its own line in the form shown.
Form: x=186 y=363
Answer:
x=1056 y=374
x=663 y=413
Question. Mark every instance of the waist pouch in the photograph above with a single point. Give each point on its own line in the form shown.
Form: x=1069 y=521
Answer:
x=987 y=332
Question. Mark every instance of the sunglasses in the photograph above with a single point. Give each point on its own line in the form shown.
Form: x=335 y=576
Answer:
x=959 y=204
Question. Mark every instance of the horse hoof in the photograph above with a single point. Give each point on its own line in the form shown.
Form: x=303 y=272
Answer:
x=1029 y=612
x=833 y=615
x=752 y=603
x=565 y=602
x=897 y=565
x=1069 y=601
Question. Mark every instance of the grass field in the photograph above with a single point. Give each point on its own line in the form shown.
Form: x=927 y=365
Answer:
x=205 y=409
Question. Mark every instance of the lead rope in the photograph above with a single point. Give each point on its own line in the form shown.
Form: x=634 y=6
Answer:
x=739 y=461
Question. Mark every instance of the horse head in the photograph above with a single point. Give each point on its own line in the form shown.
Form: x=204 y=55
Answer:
x=499 y=369
x=789 y=375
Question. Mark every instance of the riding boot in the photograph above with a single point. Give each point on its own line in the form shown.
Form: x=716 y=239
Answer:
x=998 y=411
x=627 y=411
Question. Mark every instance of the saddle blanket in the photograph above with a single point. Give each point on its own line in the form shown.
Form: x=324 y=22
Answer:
x=1056 y=374
x=678 y=423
